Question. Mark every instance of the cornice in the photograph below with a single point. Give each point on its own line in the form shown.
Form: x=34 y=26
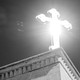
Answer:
x=37 y=62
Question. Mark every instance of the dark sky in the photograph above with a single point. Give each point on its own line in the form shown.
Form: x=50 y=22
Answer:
x=21 y=35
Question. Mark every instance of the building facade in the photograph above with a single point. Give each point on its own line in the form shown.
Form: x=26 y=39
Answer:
x=51 y=65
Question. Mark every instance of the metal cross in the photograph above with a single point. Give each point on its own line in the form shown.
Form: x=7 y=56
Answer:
x=55 y=26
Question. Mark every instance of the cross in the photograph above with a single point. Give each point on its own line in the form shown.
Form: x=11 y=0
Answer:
x=55 y=26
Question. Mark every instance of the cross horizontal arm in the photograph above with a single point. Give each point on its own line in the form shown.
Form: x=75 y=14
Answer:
x=66 y=24
x=43 y=18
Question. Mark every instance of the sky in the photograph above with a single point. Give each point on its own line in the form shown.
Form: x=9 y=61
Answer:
x=22 y=36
